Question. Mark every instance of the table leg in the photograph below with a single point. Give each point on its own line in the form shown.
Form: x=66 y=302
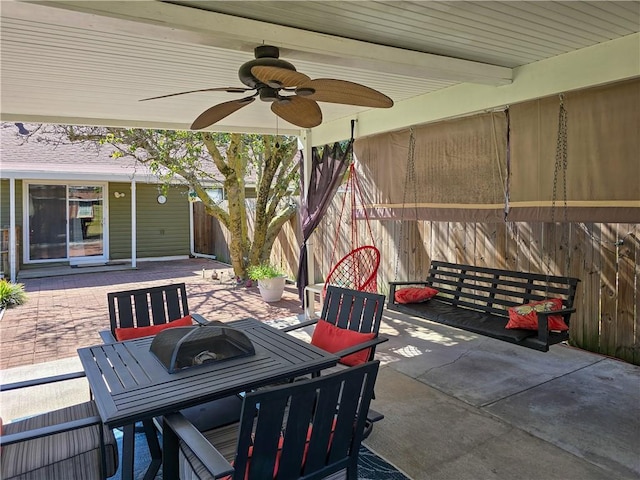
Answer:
x=128 y=453
x=154 y=449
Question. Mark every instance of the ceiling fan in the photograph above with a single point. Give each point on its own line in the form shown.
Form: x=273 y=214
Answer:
x=293 y=95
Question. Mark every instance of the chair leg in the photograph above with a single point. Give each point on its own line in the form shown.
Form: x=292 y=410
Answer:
x=103 y=454
x=171 y=450
x=128 y=455
x=154 y=450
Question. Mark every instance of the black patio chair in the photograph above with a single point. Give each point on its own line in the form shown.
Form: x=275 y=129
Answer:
x=157 y=306
x=359 y=314
x=147 y=307
x=355 y=312
x=58 y=445
x=308 y=429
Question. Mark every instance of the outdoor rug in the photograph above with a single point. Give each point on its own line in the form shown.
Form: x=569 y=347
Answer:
x=370 y=465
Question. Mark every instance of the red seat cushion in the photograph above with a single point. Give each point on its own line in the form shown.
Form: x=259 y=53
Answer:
x=415 y=294
x=526 y=316
x=137 y=332
x=276 y=467
x=333 y=339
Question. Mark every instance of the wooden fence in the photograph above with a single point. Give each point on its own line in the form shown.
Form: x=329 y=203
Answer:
x=605 y=257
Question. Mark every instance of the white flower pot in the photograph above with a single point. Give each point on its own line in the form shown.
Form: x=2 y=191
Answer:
x=271 y=289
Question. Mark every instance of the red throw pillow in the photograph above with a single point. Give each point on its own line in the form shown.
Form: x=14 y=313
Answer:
x=137 y=332
x=415 y=294
x=333 y=339
x=526 y=316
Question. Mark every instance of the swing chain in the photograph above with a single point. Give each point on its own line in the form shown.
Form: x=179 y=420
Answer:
x=561 y=165
x=410 y=176
x=561 y=162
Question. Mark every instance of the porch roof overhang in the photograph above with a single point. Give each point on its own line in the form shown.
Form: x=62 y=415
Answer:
x=90 y=62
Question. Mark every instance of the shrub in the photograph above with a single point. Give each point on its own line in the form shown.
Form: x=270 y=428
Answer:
x=265 y=270
x=11 y=294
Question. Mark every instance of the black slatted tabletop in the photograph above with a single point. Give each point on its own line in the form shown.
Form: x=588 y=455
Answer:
x=130 y=384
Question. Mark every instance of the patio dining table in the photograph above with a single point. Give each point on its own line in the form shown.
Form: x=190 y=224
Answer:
x=130 y=384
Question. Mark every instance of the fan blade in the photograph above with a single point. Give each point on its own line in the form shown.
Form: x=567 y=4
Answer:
x=299 y=111
x=342 y=91
x=221 y=89
x=218 y=112
x=277 y=77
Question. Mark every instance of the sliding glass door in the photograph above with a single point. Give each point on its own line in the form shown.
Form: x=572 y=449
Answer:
x=85 y=221
x=65 y=222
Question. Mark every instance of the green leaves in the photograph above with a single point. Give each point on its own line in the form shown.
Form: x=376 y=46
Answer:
x=11 y=294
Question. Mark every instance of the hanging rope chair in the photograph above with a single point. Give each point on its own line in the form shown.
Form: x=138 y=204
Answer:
x=358 y=269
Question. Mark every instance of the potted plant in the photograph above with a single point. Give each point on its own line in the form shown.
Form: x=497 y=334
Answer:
x=270 y=280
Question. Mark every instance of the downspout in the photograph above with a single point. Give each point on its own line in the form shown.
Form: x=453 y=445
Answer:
x=134 y=225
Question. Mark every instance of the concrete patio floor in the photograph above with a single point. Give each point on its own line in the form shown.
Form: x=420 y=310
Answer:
x=457 y=406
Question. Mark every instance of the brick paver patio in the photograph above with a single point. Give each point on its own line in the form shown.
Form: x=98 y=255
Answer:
x=64 y=313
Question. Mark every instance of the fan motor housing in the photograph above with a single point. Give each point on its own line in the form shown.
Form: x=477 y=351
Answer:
x=266 y=56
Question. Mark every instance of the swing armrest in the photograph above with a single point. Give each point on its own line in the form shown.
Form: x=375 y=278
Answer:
x=543 y=322
x=414 y=282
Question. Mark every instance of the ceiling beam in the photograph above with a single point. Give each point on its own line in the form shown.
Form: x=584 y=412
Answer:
x=190 y=25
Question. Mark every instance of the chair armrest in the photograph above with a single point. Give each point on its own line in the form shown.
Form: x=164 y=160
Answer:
x=211 y=458
x=374 y=416
x=361 y=346
x=50 y=430
x=304 y=324
x=199 y=319
x=107 y=337
x=41 y=381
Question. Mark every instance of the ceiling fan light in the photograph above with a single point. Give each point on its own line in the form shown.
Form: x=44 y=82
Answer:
x=305 y=91
x=275 y=84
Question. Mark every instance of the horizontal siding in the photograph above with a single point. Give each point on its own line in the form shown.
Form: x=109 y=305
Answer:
x=162 y=230
x=4 y=203
x=119 y=221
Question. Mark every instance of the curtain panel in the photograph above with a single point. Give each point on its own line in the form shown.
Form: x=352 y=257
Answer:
x=456 y=171
x=603 y=156
x=328 y=166
x=499 y=166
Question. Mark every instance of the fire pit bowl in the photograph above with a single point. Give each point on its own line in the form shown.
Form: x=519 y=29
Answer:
x=185 y=347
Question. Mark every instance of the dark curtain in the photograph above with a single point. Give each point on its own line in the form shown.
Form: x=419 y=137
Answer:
x=328 y=166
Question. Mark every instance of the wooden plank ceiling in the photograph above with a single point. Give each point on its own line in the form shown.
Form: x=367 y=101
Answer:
x=92 y=61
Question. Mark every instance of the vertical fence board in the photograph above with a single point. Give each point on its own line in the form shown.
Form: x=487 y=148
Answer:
x=579 y=270
x=481 y=245
x=608 y=294
x=626 y=334
x=592 y=290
